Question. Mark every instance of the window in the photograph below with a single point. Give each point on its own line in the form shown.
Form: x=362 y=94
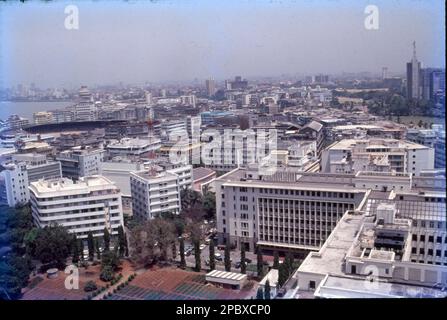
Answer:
x=311 y=284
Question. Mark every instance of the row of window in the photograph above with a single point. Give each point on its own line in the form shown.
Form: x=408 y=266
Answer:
x=307 y=193
x=429 y=238
x=429 y=252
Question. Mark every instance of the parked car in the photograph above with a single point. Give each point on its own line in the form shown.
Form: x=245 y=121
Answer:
x=207 y=241
x=207 y=262
x=202 y=246
x=281 y=292
x=248 y=260
x=237 y=265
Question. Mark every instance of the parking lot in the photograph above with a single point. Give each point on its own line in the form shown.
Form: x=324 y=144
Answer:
x=235 y=256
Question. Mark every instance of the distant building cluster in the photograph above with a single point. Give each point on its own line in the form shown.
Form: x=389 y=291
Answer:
x=352 y=194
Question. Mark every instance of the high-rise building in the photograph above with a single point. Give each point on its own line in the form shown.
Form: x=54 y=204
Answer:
x=433 y=83
x=414 y=77
x=90 y=204
x=210 y=87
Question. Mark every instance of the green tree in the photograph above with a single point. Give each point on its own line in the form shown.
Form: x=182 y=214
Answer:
x=275 y=260
x=209 y=204
x=81 y=249
x=198 y=266
x=107 y=273
x=97 y=250
x=90 y=286
x=289 y=263
x=121 y=241
x=243 y=262
x=267 y=290
x=260 y=263
x=106 y=238
x=282 y=274
x=52 y=245
x=260 y=293
x=227 y=260
x=182 y=253
x=174 y=251
x=75 y=249
x=164 y=232
x=110 y=259
x=91 y=246
x=212 y=257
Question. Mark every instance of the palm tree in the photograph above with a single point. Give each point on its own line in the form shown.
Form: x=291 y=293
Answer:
x=227 y=258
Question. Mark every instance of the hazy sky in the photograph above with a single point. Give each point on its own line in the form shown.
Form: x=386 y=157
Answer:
x=182 y=40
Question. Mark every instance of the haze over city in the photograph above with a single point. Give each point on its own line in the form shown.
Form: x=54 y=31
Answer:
x=162 y=41
x=239 y=151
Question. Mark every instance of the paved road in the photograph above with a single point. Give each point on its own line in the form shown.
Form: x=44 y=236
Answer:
x=220 y=265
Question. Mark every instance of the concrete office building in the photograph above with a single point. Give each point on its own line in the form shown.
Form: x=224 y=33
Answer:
x=210 y=85
x=90 y=204
x=382 y=155
x=81 y=162
x=414 y=77
x=236 y=148
x=284 y=211
x=154 y=192
x=393 y=246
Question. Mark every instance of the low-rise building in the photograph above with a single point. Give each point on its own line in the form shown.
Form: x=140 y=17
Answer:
x=383 y=155
x=133 y=147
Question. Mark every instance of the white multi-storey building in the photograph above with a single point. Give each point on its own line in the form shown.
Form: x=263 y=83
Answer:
x=154 y=192
x=90 y=204
x=15 y=180
x=23 y=169
x=384 y=155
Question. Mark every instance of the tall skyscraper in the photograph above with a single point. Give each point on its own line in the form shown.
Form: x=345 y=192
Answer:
x=433 y=83
x=210 y=87
x=413 y=76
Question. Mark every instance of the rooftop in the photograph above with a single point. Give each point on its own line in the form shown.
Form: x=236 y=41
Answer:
x=342 y=287
x=58 y=185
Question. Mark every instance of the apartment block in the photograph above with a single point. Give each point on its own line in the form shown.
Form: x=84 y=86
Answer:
x=154 y=192
x=89 y=204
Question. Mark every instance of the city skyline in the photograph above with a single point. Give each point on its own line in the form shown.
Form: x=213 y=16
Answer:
x=171 y=41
